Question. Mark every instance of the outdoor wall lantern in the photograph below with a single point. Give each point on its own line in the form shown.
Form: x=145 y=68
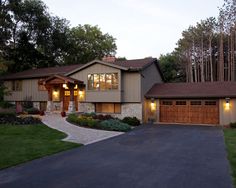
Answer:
x=81 y=95
x=227 y=103
x=56 y=95
x=153 y=105
x=64 y=86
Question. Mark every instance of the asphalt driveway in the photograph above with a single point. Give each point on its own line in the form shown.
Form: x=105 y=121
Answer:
x=150 y=156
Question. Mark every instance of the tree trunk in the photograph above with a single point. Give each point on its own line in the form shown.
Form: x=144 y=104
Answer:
x=229 y=60
x=232 y=57
x=211 y=66
x=202 y=61
x=221 y=59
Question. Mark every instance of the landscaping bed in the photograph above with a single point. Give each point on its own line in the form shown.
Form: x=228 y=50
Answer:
x=104 y=122
x=230 y=141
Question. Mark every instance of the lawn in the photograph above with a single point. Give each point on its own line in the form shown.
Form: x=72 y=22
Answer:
x=19 y=144
x=230 y=140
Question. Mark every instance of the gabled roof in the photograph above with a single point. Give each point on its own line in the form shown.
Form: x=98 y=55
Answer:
x=41 y=72
x=94 y=62
x=127 y=65
x=193 y=90
x=64 y=79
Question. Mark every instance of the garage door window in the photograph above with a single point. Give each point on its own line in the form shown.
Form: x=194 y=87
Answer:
x=210 y=103
x=167 y=102
x=194 y=103
x=180 y=102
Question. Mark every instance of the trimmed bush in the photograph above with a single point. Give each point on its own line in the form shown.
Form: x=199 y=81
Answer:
x=10 y=118
x=133 y=121
x=114 y=125
x=72 y=118
x=232 y=125
x=32 y=111
x=5 y=104
x=102 y=117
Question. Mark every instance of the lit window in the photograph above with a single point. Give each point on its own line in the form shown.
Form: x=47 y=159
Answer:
x=108 y=81
x=108 y=107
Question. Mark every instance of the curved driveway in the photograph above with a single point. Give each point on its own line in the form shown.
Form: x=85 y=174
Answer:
x=148 y=157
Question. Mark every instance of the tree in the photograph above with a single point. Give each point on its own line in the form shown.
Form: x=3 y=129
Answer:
x=89 y=43
x=172 y=68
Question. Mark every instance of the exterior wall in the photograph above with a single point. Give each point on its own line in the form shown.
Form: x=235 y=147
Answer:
x=86 y=107
x=227 y=116
x=130 y=109
x=151 y=115
x=99 y=96
x=150 y=76
x=29 y=91
x=131 y=87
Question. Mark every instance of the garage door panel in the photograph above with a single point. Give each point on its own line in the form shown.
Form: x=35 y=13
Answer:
x=197 y=112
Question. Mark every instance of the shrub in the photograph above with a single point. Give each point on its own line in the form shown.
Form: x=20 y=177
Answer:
x=102 y=117
x=133 y=121
x=232 y=125
x=114 y=125
x=32 y=110
x=10 y=118
x=5 y=104
x=73 y=118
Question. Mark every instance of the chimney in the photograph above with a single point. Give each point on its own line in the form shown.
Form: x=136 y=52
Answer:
x=109 y=59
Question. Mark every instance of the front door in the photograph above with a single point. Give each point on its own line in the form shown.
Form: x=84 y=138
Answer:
x=66 y=100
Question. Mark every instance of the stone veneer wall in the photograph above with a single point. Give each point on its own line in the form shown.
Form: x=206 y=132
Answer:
x=131 y=110
x=127 y=109
x=86 y=107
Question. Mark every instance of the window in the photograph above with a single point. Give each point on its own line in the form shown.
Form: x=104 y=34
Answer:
x=166 y=102
x=108 y=81
x=108 y=107
x=41 y=87
x=17 y=85
x=211 y=103
x=195 y=103
x=180 y=103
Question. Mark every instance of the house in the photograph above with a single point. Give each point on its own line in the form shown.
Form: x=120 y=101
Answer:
x=123 y=88
x=108 y=86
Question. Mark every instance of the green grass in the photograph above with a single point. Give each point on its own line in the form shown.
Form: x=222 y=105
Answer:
x=19 y=144
x=230 y=140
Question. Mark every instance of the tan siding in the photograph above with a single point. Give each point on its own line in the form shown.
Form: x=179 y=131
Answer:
x=150 y=76
x=131 y=88
x=227 y=116
x=29 y=90
x=99 y=96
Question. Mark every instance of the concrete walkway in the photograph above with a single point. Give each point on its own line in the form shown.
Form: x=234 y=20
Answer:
x=75 y=133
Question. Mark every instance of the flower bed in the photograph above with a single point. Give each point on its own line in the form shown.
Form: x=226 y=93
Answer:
x=104 y=122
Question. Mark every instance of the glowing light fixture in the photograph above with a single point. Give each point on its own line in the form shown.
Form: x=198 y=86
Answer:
x=76 y=86
x=153 y=105
x=64 y=86
x=227 y=103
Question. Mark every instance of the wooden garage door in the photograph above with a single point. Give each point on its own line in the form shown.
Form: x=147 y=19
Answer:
x=189 y=111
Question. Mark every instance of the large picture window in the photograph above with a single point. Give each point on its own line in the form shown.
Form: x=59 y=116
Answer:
x=103 y=81
x=108 y=107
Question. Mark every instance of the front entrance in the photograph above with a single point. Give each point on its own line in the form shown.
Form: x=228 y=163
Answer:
x=189 y=111
x=66 y=99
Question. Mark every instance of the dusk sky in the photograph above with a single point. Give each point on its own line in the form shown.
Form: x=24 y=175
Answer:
x=141 y=28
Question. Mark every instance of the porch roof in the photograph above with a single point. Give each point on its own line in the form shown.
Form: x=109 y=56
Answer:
x=60 y=79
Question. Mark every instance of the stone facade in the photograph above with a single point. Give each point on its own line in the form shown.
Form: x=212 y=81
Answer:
x=131 y=110
x=86 y=107
x=71 y=107
x=36 y=105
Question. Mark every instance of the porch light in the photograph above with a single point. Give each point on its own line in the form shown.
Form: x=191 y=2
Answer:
x=76 y=86
x=55 y=95
x=227 y=103
x=64 y=86
x=153 y=105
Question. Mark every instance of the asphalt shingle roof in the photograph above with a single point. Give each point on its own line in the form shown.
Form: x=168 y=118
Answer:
x=193 y=90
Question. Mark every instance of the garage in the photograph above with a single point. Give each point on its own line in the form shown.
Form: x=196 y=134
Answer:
x=189 y=111
x=211 y=103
